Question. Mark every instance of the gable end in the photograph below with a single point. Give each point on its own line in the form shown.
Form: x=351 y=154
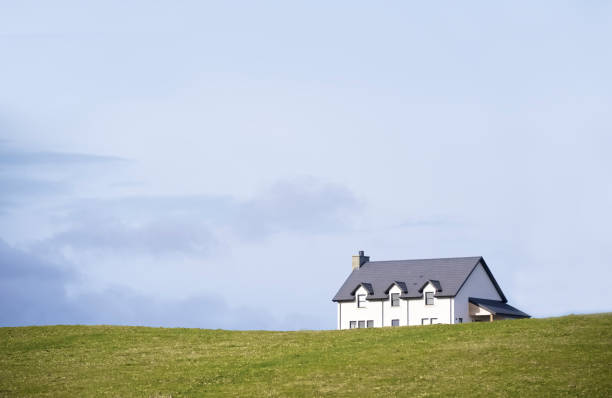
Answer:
x=491 y=277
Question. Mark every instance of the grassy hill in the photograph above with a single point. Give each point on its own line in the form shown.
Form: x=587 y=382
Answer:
x=565 y=356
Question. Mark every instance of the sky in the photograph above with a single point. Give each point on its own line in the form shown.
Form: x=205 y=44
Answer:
x=217 y=164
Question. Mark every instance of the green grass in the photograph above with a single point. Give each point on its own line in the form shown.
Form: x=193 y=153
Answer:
x=568 y=356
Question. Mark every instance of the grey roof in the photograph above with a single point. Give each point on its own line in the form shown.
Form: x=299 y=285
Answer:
x=447 y=275
x=498 y=307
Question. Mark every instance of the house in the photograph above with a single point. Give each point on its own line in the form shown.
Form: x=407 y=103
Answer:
x=420 y=292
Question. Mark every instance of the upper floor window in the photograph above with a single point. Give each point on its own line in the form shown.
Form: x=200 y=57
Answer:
x=394 y=299
x=429 y=298
x=361 y=301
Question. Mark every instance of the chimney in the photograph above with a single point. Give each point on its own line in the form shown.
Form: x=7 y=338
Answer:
x=359 y=260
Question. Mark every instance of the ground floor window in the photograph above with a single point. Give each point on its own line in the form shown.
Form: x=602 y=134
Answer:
x=394 y=322
x=433 y=321
x=424 y=321
x=361 y=324
x=459 y=320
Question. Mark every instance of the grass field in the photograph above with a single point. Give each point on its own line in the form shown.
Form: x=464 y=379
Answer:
x=568 y=356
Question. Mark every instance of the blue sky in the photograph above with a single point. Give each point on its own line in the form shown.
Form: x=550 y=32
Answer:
x=216 y=165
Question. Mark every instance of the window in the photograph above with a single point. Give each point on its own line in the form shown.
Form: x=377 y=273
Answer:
x=370 y=324
x=361 y=301
x=352 y=325
x=394 y=299
x=429 y=298
x=459 y=320
x=361 y=324
x=433 y=321
x=394 y=322
x=424 y=321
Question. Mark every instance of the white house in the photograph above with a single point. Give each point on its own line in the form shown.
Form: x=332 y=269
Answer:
x=420 y=292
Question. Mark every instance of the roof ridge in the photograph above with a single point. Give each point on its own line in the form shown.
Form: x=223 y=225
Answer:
x=426 y=259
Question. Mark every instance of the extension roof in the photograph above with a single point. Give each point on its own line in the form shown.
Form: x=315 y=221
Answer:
x=498 y=307
x=446 y=274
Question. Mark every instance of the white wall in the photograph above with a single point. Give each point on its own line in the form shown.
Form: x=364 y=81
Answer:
x=410 y=312
x=441 y=309
x=478 y=285
x=391 y=313
x=349 y=311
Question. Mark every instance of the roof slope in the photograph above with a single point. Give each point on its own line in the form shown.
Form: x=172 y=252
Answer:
x=450 y=273
x=498 y=308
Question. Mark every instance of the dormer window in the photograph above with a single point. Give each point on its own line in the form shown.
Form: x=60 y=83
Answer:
x=361 y=301
x=429 y=298
x=394 y=299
